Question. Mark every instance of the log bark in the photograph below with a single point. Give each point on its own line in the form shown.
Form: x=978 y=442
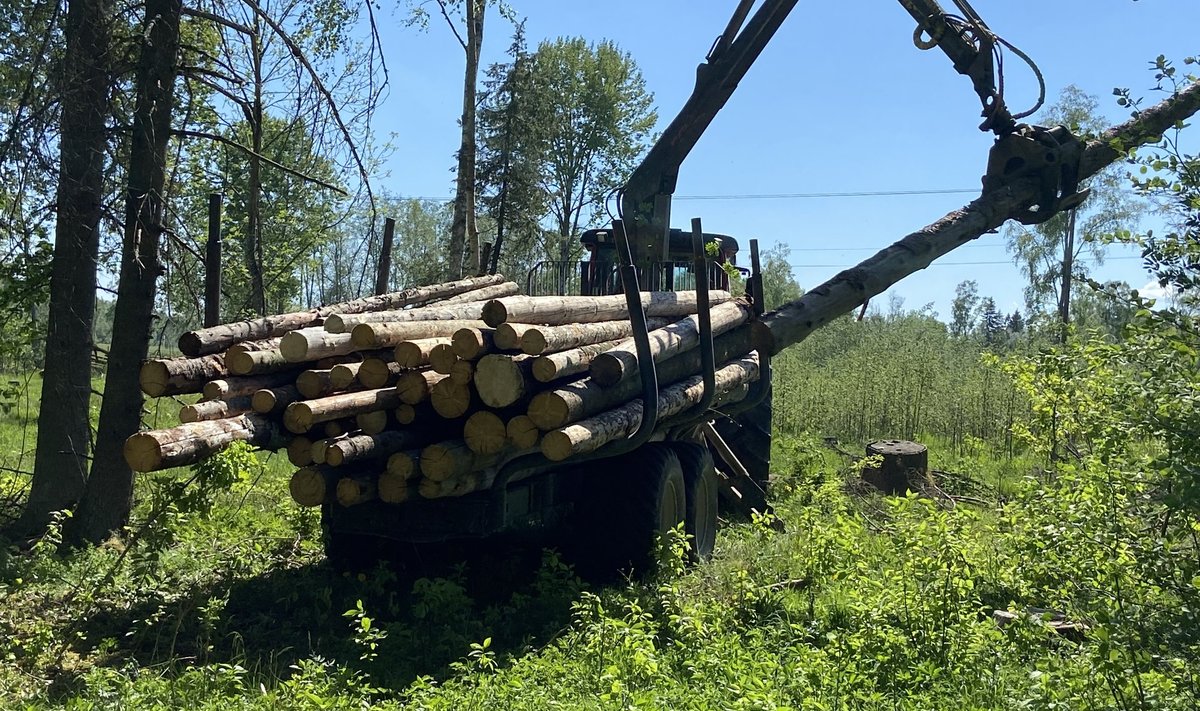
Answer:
x=793 y=322
x=215 y=409
x=569 y=403
x=485 y=433
x=299 y=417
x=522 y=433
x=376 y=373
x=266 y=344
x=620 y=362
x=363 y=447
x=508 y=288
x=257 y=362
x=451 y=400
x=414 y=387
x=311 y=486
x=415 y=353
x=355 y=490
x=558 y=310
x=219 y=338
x=559 y=366
x=540 y=340
x=595 y=432
x=903 y=466
x=179 y=376
x=392 y=334
x=473 y=343
x=346 y=323
x=502 y=380
x=189 y=443
x=273 y=401
x=507 y=336
x=227 y=388
x=314 y=343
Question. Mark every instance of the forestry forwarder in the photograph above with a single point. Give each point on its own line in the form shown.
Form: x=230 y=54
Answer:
x=626 y=492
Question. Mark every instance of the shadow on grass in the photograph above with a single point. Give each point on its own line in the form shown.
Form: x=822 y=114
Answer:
x=430 y=608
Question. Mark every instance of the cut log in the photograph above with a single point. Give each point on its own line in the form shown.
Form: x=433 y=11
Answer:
x=339 y=427
x=404 y=464
x=457 y=486
x=442 y=358
x=299 y=451
x=341 y=376
x=502 y=380
x=540 y=340
x=392 y=334
x=507 y=336
x=346 y=323
x=473 y=343
x=179 y=376
x=311 y=486
x=361 y=447
x=462 y=372
x=560 y=366
x=569 y=403
x=355 y=490
x=522 y=433
x=227 y=388
x=314 y=343
x=189 y=443
x=620 y=362
x=219 y=338
x=451 y=459
x=376 y=373
x=372 y=422
x=273 y=401
x=903 y=466
x=451 y=400
x=299 y=417
x=394 y=488
x=508 y=288
x=621 y=422
x=317 y=382
x=267 y=344
x=415 y=354
x=406 y=414
x=317 y=451
x=559 y=310
x=215 y=409
x=414 y=387
x=485 y=433
x=257 y=362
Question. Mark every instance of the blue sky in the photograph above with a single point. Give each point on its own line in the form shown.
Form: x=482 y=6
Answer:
x=841 y=101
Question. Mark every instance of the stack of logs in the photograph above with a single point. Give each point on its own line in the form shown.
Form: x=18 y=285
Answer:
x=428 y=391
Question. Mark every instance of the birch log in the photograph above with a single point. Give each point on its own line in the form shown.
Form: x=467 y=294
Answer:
x=557 y=310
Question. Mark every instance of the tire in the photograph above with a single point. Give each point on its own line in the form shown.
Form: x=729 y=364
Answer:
x=627 y=503
x=748 y=434
x=700 y=485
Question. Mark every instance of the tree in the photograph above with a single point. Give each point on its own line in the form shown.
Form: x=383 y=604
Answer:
x=1049 y=253
x=962 y=309
x=64 y=428
x=591 y=120
x=991 y=321
x=779 y=284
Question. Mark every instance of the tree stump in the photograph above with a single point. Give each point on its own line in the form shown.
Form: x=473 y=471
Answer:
x=904 y=466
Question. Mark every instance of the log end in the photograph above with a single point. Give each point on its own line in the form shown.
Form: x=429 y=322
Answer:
x=408 y=355
x=334 y=324
x=505 y=338
x=239 y=362
x=191 y=344
x=189 y=413
x=556 y=446
x=499 y=381
x=154 y=378
x=394 y=488
x=143 y=453
x=372 y=422
x=608 y=369
x=412 y=388
x=299 y=451
x=485 y=433
x=468 y=343
x=533 y=342
x=294 y=347
x=352 y=491
x=341 y=376
x=298 y=418
x=311 y=384
x=406 y=414
x=403 y=465
x=363 y=336
x=442 y=358
x=334 y=456
x=263 y=401
x=494 y=313
x=374 y=373
x=462 y=372
x=450 y=400
x=543 y=369
x=215 y=389
x=521 y=431
x=548 y=411
x=307 y=487
x=440 y=461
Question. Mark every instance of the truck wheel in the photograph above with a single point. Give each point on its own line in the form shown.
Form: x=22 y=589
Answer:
x=749 y=436
x=700 y=483
x=628 y=501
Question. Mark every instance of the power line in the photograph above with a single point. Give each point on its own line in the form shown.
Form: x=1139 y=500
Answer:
x=784 y=196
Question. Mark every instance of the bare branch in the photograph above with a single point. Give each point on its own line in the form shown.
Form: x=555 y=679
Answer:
x=223 y=21
x=268 y=161
x=446 y=14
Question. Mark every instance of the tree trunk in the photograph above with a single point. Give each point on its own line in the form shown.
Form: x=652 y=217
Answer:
x=253 y=245
x=1068 y=265
x=903 y=466
x=109 y=496
x=64 y=429
x=463 y=234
